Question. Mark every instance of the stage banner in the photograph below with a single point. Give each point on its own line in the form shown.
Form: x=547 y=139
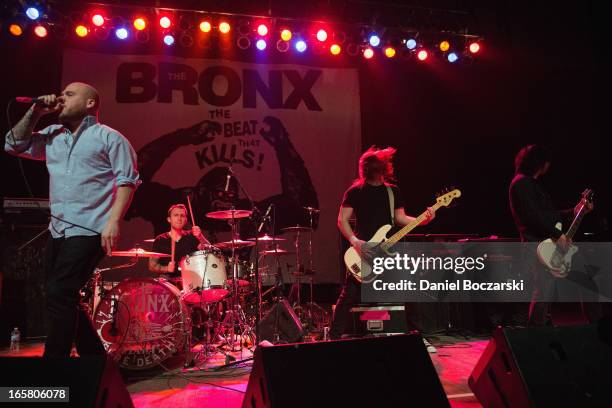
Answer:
x=291 y=134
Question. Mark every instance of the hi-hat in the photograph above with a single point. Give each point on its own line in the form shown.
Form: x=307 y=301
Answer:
x=277 y=252
x=229 y=214
x=267 y=238
x=149 y=240
x=297 y=228
x=139 y=252
x=234 y=244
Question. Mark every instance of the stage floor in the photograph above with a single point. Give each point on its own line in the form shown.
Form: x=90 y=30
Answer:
x=225 y=388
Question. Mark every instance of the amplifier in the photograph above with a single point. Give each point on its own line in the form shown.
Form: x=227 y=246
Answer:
x=380 y=319
x=26 y=211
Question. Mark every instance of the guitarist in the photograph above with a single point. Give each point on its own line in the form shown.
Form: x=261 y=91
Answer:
x=368 y=199
x=535 y=218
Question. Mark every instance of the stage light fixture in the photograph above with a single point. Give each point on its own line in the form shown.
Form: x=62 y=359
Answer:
x=352 y=49
x=261 y=44
x=224 y=27
x=243 y=42
x=205 y=26
x=368 y=53
x=452 y=57
x=102 y=33
x=322 y=35
x=282 y=46
x=81 y=31
x=301 y=46
x=186 y=40
x=40 y=31
x=16 y=30
x=165 y=22
x=444 y=46
x=474 y=47
x=140 y=24
x=97 y=20
x=422 y=55
x=262 y=30
x=286 y=34
x=168 y=39
x=244 y=27
x=142 y=36
x=411 y=44
x=32 y=13
x=389 y=52
x=374 y=40
x=122 y=33
x=335 y=49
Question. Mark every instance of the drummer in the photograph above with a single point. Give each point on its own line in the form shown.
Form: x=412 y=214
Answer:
x=185 y=242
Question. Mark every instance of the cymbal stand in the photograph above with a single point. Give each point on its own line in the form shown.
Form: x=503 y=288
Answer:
x=299 y=271
x=311 y=272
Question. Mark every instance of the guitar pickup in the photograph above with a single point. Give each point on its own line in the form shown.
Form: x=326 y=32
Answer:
x=355 y=268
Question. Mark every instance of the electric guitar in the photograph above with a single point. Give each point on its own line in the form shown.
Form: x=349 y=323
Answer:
x=556 y=259
x=354 y=261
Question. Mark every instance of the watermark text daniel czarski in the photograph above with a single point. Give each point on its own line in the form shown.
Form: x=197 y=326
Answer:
x=459 y=265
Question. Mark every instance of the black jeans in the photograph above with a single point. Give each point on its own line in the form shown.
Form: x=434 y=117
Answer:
x=70 y=263
x=350 y=295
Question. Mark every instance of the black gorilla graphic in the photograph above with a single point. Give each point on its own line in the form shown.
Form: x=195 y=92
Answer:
x=152 y=199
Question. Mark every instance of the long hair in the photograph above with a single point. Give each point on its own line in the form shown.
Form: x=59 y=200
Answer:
x=530 y=159
x=375 y=161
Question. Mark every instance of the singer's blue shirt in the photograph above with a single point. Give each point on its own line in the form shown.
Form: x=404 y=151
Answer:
x=85 y=169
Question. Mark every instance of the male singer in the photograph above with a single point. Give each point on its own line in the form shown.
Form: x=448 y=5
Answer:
x=92 y=178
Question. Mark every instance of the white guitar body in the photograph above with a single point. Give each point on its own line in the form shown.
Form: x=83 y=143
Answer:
x=353 y=260
x=558 y=262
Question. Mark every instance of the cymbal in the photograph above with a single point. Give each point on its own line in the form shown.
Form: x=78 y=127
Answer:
x=234 y=244
x=297 y=228
x=277 y=252
x=312 y=209
x=149 y=240
x=229 y=214
x=267 y=238
x=139 y=252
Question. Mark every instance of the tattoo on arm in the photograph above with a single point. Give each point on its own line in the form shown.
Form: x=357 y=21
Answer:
x=24 y=128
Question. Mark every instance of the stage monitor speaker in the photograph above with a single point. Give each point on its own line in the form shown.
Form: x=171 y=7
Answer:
x=390 y=371
x=289 y=327
x=544 y=367
x=92 y=381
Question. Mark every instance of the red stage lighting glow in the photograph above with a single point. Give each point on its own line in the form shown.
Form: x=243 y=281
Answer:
x=474 y=47
x=422 y=55
x=321 y=35
x=165 y=22
x=262 y=30
x=40 y=31
x=368 y=53
x=97 y=20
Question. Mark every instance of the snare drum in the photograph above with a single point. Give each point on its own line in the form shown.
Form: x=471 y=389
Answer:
x=204 y=276
x=141 y=322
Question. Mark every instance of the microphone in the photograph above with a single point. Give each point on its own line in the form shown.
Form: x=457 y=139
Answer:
x=227 y=179
x=28 y=99
x=263 y=220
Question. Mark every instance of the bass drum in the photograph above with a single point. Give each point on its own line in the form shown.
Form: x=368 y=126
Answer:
x=141 y=322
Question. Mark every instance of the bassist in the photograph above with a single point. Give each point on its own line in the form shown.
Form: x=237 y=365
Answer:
x=369 y=200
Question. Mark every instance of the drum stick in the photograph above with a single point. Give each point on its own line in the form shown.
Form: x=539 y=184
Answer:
x=190 y=211
x=173 y=246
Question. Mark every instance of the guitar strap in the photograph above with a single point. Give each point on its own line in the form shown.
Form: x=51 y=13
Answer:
x=391 y=204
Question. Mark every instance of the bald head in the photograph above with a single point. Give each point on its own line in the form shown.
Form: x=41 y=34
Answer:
x=78 y=100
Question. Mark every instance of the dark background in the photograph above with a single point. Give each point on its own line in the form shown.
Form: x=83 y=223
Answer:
x=538 y=79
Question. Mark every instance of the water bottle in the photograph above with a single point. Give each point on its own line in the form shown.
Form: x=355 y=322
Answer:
x=15 y=339
x=325 y=333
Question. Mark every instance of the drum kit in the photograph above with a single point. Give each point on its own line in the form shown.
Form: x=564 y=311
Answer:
x=144 y=321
